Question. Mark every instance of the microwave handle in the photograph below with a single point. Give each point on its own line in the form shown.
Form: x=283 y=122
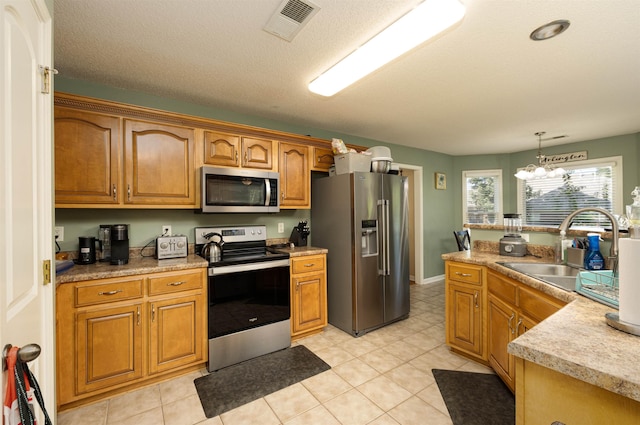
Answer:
x=268 y=192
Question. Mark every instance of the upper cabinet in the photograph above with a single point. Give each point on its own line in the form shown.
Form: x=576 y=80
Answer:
x=87 y=158
x=231 y=150
x=113 y=155
x=159 y=164
x=295 y=176
x=322 y=159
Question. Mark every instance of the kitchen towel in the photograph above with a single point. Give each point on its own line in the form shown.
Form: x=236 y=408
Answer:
x=629 y=281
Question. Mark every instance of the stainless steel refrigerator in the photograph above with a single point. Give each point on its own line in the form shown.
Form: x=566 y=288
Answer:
x=361 y=218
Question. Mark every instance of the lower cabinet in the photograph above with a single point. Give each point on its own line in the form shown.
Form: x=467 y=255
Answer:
x=114 y=334
x=308 y=295
x=513 y=309
x=545 y=396
x=465 y=309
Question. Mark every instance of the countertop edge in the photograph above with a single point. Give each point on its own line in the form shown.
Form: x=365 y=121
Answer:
x=575 y=341
x=135 y=266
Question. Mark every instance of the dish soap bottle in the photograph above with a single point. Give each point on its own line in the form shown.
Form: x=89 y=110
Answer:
x=594 y=260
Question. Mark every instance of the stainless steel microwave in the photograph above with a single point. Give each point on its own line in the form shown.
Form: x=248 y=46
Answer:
x=231 y=190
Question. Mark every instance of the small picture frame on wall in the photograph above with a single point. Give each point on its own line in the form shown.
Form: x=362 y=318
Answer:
x=441 y=181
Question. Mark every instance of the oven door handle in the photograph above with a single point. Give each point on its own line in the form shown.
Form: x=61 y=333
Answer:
x=216 y=271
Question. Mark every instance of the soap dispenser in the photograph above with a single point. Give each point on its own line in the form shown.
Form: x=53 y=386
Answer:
x=593 y=260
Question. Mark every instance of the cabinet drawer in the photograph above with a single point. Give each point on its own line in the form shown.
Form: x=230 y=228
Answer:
x=108 y=291
x=536 y=305
x=502 y=288
x=311 y=263
x=175 y=282
x=465 y=273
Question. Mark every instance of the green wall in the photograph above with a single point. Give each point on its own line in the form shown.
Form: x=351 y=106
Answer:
x=442 y=212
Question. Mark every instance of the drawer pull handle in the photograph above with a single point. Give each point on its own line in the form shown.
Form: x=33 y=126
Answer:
x=518 y=326
x=176 y=283
x=153 y=312
x=475 y=298
x=513 y=315
x=115 y=195
x=464 y=274
x=138 y=316
x=309 y=265
x=110 y=292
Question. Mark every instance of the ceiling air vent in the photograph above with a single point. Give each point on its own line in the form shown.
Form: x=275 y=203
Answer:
x=290 y=17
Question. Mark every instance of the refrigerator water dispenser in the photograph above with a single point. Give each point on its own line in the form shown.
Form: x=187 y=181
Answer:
x=369 y=238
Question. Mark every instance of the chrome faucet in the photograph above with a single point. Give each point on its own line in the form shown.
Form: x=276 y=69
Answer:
x=613 y=251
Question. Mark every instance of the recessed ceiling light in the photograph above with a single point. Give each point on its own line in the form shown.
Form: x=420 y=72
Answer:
x=549 y=30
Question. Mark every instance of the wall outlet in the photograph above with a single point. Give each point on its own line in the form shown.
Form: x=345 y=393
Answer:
x=166 y=230
x=58 y=233
x=280 y=227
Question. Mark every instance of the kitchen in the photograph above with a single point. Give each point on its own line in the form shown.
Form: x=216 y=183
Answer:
x=438 y=224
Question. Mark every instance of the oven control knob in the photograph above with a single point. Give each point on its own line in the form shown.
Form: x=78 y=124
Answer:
x=180 y=244
x=164 y=245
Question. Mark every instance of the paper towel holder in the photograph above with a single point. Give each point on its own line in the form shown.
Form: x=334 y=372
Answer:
x=613 y=320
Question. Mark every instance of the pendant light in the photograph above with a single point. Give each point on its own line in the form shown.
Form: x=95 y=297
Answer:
x=540 y=171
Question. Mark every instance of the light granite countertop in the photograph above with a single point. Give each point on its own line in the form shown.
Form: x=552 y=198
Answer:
x=575 y=341
x=143 y=265
x=136 y=265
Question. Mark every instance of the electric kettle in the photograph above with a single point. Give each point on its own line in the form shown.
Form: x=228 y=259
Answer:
x=213 y=250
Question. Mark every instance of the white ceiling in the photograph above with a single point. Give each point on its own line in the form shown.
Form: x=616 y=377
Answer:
x=481 y=87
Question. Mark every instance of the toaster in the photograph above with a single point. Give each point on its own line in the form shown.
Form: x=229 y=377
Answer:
x=175 y=246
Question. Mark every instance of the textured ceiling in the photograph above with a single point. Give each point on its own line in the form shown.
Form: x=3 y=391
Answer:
x=481 y=87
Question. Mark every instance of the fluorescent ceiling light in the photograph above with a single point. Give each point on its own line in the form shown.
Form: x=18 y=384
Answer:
x=425 y=21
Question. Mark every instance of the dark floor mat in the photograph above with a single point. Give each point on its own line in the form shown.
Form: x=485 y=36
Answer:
x=244 y=382
x=476 y=398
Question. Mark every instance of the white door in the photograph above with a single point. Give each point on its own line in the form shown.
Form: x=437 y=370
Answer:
x=26 y=187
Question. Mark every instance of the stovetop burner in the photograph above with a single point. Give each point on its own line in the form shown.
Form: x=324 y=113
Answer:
x=242 y=245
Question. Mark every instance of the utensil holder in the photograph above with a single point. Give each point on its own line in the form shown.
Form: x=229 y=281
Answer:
x=575 y=257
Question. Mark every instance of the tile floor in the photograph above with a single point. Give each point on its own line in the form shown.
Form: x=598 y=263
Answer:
x=381 y=378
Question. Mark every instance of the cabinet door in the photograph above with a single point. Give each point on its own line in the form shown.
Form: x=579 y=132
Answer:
x=221 y=149
x=87 y=164
x=258 y=153
x=159 y=165
x=464 y=318
x=322 y=159
x=309 y=301
x=502 y=328
x=176 y=336
x=109 y=347
x=295 y=177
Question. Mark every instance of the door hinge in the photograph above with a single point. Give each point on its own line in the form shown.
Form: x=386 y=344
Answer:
x=46 y=272
x=46 y=78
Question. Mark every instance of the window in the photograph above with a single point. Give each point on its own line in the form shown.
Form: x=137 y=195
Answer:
x=482 y=196
x=592 y=183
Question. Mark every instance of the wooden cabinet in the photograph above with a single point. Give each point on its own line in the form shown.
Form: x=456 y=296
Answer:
x=464 y=309
x=322 y=159
x=295 y=176
x=151 y=165
x=159 y=164
x=545 y=396
x=514 y=308
x=230 y=150
x=116 y=334
x=308 y=295
x=87 y=158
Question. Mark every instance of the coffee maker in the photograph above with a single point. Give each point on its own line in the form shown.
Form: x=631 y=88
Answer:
x=512 y=244
x=104 y=239
x=119 y=244
x=86 y=250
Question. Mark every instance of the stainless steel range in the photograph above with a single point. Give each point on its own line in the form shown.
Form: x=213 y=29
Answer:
x=249 y=309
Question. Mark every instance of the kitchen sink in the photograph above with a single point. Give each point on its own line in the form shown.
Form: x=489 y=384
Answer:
x=559 y=275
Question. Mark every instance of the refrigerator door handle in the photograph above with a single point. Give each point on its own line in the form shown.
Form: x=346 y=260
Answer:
x=383 y=222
